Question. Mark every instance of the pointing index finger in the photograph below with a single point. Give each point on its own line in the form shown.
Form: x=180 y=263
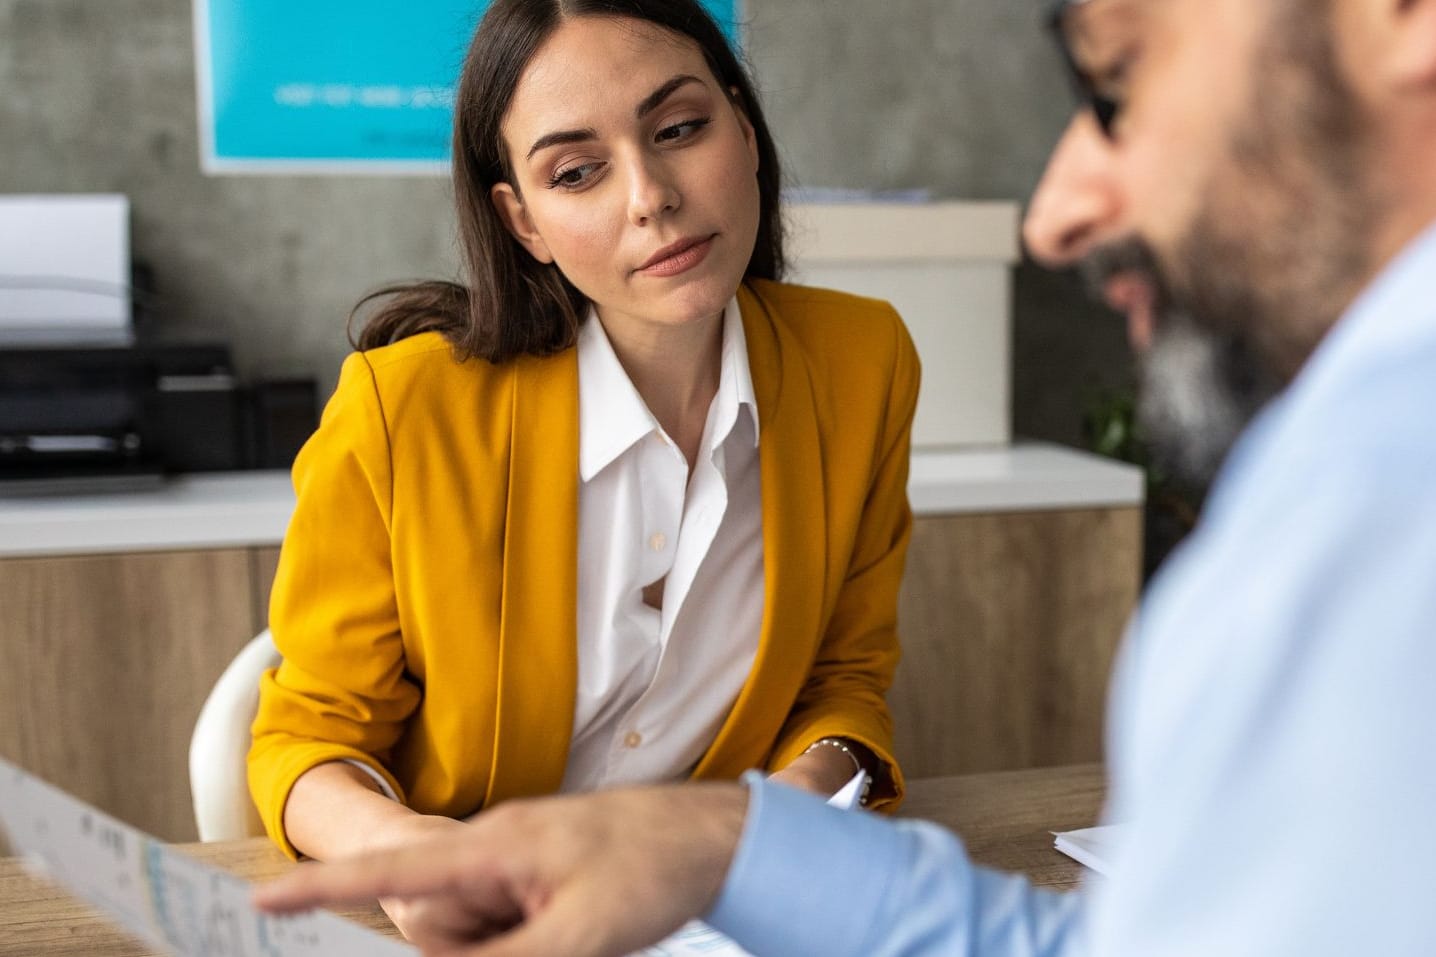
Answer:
x=403 y=872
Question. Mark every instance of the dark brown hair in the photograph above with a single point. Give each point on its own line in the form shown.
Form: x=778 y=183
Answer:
x=513 y=304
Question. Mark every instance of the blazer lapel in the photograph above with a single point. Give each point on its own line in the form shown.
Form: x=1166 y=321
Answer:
x=538 y=645
x=794 y=543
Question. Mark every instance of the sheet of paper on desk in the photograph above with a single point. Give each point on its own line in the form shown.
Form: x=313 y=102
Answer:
x=1093 y=846
x=164 y=897
x=697 y=939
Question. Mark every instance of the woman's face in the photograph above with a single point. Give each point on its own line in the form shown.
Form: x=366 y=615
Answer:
x=634 y=171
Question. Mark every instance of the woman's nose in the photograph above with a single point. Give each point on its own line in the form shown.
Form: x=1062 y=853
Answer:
x=653 y=193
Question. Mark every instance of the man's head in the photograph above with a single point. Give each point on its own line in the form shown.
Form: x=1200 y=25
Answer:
x=1246 y=168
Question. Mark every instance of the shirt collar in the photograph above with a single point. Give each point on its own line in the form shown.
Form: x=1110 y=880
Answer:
x=612 y=416
x=1395 y=306
x=735 y=365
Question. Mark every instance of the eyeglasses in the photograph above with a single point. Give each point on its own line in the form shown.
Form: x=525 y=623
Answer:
x=1104 y=106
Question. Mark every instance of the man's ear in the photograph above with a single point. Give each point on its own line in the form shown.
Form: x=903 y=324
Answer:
x=516 y=220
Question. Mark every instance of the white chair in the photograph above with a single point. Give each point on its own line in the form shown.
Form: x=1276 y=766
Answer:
x=218 y=748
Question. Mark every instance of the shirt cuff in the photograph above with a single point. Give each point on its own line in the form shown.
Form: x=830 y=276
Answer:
x=808 y=880
x=378 y=778
x=829 y=866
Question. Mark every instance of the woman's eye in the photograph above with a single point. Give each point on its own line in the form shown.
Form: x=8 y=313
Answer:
x=573 y=176
x=680 y=131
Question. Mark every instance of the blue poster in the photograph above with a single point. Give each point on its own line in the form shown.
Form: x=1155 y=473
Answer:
x=323 y=85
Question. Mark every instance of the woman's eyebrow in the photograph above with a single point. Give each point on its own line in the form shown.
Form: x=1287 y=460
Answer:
x=655 y=99
x=561 y=138
x=650 y=103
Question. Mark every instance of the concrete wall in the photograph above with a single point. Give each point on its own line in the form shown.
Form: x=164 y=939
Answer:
x=959 y=96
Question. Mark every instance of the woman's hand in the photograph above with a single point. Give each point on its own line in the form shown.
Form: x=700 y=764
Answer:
x=336 y=812
x=422 y=918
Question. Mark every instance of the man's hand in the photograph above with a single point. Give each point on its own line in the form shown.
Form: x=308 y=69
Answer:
x=598 y=875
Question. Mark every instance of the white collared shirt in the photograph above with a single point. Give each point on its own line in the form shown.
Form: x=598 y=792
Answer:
x=655 y=686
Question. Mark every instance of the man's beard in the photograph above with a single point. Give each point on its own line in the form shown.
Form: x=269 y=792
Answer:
x=1200 y=385
x=1268 y=265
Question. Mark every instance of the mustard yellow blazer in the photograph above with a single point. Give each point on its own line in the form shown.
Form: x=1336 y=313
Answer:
x=426 y=599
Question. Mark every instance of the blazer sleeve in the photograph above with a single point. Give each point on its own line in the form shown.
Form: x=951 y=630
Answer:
x=341 y=692
x=845 y=693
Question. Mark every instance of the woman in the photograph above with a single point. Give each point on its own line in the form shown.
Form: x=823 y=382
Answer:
x=622 y=509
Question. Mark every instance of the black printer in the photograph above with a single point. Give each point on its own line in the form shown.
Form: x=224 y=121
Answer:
x=74 y=415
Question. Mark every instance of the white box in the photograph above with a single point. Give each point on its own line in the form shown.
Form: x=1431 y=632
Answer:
x=946 y=267
x=65 y=269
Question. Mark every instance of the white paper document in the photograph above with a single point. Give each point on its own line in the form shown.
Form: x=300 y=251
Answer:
x=1094 y=847
x=161 y=895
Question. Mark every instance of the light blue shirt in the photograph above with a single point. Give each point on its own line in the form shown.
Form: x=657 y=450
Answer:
x=1272 y=730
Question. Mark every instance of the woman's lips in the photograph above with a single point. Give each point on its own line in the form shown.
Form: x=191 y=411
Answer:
x=677 y=258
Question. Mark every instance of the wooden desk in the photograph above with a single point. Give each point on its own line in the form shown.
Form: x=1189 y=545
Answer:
x=1004 y=817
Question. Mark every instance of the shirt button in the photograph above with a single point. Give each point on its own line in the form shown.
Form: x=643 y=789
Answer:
x=658 y=541
x=632 y=739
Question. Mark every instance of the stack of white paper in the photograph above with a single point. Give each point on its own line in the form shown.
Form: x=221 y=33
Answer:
x=1093 y=846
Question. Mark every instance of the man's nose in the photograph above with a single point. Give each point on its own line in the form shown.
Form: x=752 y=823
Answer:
x=1077 y=203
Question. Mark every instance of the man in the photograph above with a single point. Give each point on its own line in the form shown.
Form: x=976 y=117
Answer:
x=1254 y=183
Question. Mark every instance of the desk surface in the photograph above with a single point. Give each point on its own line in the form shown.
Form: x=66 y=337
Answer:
x=1005 y=818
